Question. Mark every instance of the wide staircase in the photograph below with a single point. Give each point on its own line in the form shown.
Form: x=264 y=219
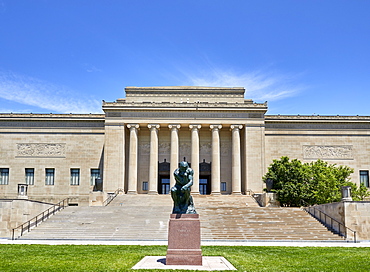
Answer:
x=145 y=217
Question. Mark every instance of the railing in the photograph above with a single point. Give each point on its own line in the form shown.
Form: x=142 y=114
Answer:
x=112 y=196
x=35 y=221
x=256 y=197
x=249 y=192
x=330 y=223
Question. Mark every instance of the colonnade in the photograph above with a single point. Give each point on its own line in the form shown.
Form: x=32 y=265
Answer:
x=174 y=129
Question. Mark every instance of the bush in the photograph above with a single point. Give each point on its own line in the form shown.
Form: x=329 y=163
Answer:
x=315 y=183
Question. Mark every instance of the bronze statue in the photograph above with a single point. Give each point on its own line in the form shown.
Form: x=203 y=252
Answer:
x=180 y=193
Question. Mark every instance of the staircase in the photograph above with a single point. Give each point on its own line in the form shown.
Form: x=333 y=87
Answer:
x=145 y=217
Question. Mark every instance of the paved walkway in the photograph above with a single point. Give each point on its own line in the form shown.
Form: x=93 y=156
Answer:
x=204 y=243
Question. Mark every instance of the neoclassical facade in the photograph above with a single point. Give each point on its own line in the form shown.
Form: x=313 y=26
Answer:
x=136 y=145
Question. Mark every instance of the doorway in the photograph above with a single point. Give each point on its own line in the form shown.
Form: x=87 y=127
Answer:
x=164 y=185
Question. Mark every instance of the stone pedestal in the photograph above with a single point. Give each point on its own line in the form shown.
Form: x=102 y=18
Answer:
x=184 y=240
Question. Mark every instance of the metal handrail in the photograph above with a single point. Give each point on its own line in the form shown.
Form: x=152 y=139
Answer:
x=249 y=192
x=33 y=222
x=331 y=225
x=112 y=196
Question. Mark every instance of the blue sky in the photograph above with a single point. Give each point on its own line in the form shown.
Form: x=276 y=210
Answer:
x=302 y=56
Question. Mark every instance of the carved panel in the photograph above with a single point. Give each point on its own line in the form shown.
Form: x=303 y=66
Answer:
x=164 y=148
x=144 y=148
x=225 y=149
x=185 y=148
x=41 y=150
x=205 y=148
x=340 y=152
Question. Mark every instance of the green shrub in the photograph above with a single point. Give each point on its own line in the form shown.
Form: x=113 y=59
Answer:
x=315 y=183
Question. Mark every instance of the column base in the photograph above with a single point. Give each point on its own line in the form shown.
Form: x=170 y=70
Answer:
x=152 y=193
x=216 y=193
x=236 y=193
x=131 y=192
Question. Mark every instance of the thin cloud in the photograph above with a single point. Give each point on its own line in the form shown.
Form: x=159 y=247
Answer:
x=34 y=92
x=259 y=85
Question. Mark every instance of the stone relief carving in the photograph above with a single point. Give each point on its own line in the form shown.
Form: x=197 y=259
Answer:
x=205 y=148
x=225 y=149
x=185 y=148
x=327 y=152
x=144 y=148
x=41 y=150
x=164 y=148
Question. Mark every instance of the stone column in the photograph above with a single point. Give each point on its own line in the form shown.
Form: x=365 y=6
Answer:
x=195 y=157
x=236 y=159
x=153 y=159
x=216 y=178
x=174 y=151
x=132 y=169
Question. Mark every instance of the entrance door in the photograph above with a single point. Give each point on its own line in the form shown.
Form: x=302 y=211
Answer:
x=204 y=185
x=164 y=185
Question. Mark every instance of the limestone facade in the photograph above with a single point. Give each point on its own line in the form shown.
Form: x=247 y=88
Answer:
x=139 y=140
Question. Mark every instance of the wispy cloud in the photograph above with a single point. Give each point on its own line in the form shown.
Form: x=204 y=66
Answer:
x=34 y=92
x=259 y=85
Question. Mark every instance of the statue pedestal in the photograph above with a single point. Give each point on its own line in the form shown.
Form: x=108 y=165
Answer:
x=184 y=240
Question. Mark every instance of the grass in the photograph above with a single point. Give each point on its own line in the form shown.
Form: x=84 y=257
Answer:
x=122 y=258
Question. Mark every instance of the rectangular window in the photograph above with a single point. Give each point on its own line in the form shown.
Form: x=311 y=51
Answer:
x=95 y=174
x=4 y=176
x=30 y=176
x=49 y=176
x=145 y=186
x=223 y=186
x=364 y=177
x=75 y=176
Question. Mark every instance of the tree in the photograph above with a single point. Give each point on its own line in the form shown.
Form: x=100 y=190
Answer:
x=315 y=183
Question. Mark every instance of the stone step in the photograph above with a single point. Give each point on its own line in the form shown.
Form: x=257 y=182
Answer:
x=145 y=217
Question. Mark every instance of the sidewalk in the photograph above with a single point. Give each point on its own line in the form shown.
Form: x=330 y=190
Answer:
x=204 y=243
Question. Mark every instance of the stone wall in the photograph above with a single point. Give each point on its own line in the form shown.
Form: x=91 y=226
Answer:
x=60 y=142
x=16 y=212
x=353 y=214
x=341 y=140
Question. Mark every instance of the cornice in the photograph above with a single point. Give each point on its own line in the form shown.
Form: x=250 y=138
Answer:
x=316 y=119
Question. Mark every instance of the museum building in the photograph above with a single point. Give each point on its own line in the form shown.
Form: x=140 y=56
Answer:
x=137 y=143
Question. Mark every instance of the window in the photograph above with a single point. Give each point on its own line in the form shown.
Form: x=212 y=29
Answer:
x=95 y=174
x=145 y=186
x=223 y=186
x=4 y=176
x=49 y=176
x=75 y=176
x=22 y=189
x=30 y=176
x=364 y=177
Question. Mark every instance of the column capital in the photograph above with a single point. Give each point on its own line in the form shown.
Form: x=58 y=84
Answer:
x=192 y=126
x=154 y=126
x=232 y=127
x=133 y=126
x=216 y=127
x=174 y=126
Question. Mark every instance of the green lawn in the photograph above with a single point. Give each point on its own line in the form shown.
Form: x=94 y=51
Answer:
x=122 y=258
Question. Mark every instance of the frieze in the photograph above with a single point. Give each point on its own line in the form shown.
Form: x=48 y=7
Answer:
x=339 y=152
x=176 y=115
x=41 y=150
x=48 y=124
x=185 y=148
x=205 y=148
x=164 y=148
x=225 y=149
x=144 y=148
